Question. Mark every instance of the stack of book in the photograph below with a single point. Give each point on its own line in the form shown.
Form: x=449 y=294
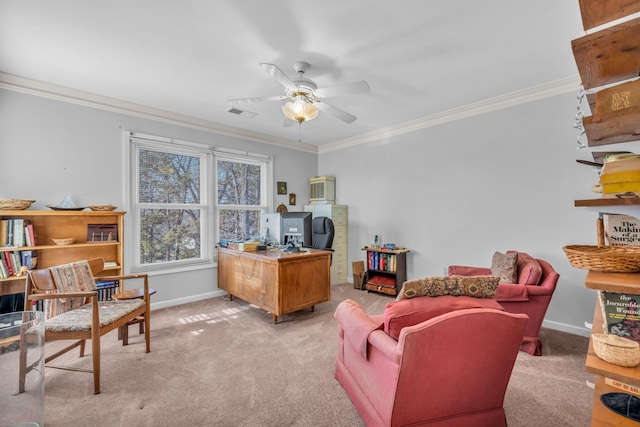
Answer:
x=381 y=261
x=16 y=233
x=11 y=261
x=620 y=175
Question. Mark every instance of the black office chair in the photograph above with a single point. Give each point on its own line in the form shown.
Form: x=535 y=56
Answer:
x=322 y=233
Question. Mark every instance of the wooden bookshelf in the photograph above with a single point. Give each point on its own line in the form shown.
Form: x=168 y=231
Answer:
x=50 y=225
x=398 y=272
x=607 y=373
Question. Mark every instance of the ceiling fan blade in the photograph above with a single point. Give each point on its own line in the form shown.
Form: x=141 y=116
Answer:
x=343 y=89
x=259 y=99
x=279 y=75
x=335 y=112
x=286 y=123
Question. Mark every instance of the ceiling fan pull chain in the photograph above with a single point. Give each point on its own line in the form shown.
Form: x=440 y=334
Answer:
x=300 y=132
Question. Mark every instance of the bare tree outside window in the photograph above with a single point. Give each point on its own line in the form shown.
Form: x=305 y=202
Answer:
x=178 y=188
x=169 y=190
x=239 y=199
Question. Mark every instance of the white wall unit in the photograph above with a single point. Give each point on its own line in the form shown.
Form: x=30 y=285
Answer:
x=339 y=216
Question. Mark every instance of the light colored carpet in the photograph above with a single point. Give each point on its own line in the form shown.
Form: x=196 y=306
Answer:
x=224 y=363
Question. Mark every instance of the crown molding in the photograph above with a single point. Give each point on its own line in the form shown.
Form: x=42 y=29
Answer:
x=60 y=93
x=87 y=99
x=547 y=90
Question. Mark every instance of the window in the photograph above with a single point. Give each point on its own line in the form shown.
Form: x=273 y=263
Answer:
x=241 y=183
x=173 y=206
x=169 y=203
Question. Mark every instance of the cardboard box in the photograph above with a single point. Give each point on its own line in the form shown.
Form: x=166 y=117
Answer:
x=358 y=274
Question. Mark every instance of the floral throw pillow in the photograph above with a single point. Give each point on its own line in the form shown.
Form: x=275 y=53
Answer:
x=505 y=266
x=471 y=286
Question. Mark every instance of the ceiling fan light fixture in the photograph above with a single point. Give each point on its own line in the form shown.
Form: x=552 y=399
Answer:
x=300 y=110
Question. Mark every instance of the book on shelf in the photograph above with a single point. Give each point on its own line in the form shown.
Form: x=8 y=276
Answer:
x=18 y=232
x=9 y=233
x=620 y=314
x=621 y=230
x=4 y=230
x=30 y=233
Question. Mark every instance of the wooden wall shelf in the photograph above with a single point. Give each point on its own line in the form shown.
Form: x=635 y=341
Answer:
x=612 y=128
x=598 y=12
x=618 y=201
x=609 y=55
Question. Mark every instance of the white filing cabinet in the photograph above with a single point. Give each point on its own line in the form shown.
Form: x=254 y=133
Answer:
x=339 y=216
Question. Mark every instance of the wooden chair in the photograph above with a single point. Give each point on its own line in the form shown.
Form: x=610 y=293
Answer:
x=73 y=312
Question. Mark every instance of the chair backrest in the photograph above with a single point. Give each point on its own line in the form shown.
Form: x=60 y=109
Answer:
x=462 y=360
x=322 y=231
x=73 y=277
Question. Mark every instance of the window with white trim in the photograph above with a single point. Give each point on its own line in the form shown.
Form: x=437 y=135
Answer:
x=242 y=194
x=173 y=205
x=170 y=203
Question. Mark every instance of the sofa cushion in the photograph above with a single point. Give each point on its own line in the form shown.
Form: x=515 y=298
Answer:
x=505 y=266
x=409 y=312
x=529 y=269
x=471 y=286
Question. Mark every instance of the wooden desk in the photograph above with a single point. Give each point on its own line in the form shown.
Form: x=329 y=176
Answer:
x=276 y=281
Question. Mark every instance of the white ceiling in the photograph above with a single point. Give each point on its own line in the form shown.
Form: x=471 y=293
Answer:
x=420 y=57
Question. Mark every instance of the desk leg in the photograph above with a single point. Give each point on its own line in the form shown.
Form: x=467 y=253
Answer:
x=275 y=319
x=228 y=297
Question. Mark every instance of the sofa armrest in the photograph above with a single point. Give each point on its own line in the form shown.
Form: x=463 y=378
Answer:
x=385 y=344
x=356 y=325
x=465 y=270
x=539 y=290
x=512 y=292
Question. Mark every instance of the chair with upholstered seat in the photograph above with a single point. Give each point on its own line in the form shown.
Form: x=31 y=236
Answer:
x=437 y=361
x=529 y=291
x=73 y=312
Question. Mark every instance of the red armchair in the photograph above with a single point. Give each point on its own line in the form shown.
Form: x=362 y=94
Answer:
x=531 y=295
x=443 y=361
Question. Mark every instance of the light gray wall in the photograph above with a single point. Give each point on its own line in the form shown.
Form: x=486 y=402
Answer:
x=452 y=194
x=50 y=149
x=458 y=192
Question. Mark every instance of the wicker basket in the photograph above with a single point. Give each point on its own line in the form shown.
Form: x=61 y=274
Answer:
x=15 y=204
x=62 y=242
x=611 y=259
x=102 y=207
x=617 y=350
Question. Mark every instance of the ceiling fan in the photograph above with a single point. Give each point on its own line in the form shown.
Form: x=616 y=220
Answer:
x=304 y=97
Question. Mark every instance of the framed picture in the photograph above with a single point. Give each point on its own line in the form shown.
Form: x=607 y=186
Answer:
x=102 y=233
x=282 y=187
x=292 y=199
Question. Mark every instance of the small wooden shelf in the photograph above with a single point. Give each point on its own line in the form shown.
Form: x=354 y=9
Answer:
x=398 y=274
x=618 y=201
x=597 y=366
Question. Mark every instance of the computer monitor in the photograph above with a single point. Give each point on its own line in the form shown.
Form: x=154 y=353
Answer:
x=270 y=228
x=295 y=227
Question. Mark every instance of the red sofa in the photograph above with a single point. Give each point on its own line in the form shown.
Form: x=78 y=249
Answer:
x=531 y=295
x=443 y=361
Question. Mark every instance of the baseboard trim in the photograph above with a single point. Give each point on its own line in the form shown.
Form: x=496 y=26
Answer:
x=576 y=330
x=185 y=300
